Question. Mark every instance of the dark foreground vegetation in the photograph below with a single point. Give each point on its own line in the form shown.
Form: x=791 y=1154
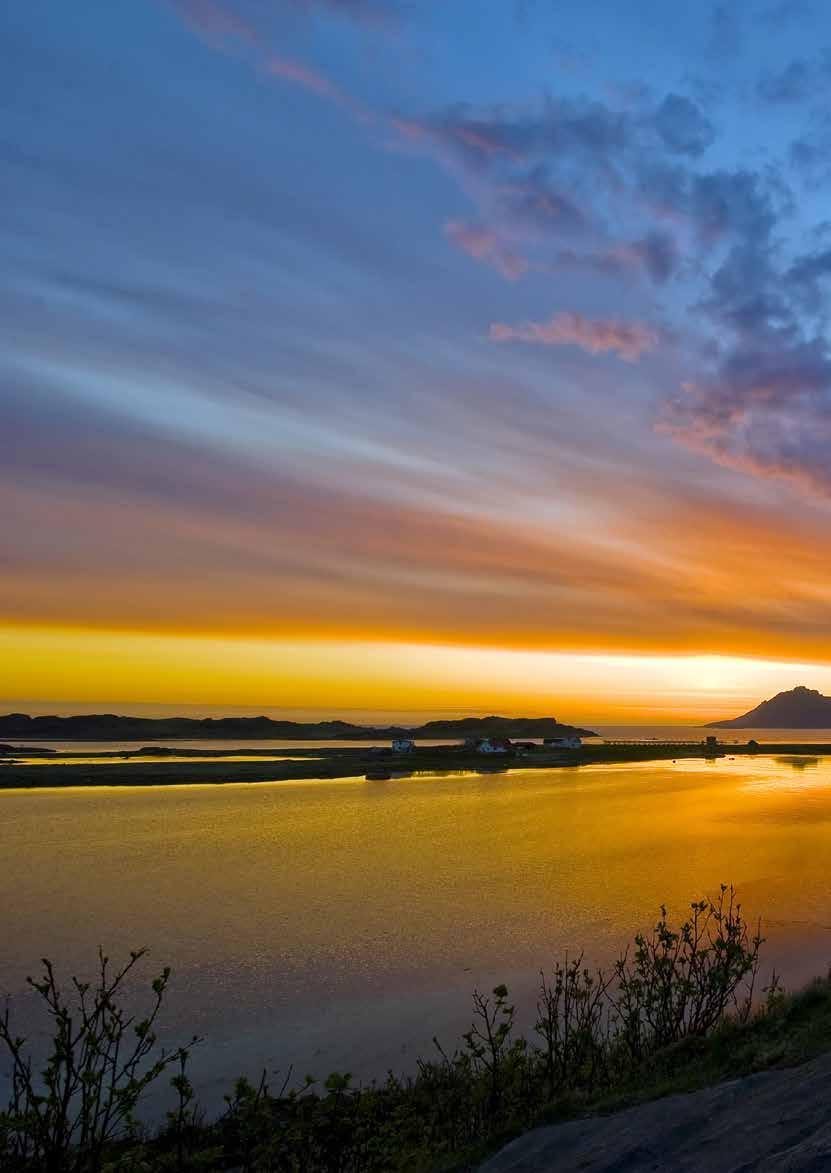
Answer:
x=680 y=1009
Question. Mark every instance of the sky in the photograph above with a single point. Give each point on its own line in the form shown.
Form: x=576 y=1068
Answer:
x=391 y=356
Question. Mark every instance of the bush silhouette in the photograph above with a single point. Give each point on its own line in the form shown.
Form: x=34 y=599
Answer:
x=596 y=1033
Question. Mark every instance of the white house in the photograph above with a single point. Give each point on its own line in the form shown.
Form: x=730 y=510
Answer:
x=403 y=745
x=563 y=742
x=493 y=745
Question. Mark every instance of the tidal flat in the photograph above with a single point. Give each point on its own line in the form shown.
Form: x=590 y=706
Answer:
x=148 y=766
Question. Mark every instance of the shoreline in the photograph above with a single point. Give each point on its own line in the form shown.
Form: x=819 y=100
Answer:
x=56 y=771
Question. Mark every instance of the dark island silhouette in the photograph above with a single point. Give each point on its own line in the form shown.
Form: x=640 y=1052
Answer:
x=110 y=727
x=799 y=708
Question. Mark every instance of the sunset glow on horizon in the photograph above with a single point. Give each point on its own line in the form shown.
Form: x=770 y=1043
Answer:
x=63 y=670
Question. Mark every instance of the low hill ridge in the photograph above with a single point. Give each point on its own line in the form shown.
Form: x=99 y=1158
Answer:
x=500 y=727
x=799 y=708
x=111 y=727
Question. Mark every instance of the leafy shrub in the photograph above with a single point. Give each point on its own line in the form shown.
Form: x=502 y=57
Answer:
x=101 y=1061
x=683 y=981
x=594 y=1032
x=573 y=1023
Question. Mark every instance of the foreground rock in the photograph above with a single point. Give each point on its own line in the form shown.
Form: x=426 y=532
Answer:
x=774 y=1122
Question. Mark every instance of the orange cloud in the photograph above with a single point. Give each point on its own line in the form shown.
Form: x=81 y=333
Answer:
x=594 y=335
x=654 y=573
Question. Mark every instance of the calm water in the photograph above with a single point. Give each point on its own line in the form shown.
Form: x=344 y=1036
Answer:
x=341 y=924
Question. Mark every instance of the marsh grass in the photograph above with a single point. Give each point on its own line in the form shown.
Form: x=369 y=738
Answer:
x=679 y=1010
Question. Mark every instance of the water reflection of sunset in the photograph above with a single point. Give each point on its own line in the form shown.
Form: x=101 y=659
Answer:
x=376 y=899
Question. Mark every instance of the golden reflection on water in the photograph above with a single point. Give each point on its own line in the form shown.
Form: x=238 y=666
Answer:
x=326 y=920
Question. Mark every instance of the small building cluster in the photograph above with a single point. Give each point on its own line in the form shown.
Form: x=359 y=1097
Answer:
x=489 y=745
x=505 y=745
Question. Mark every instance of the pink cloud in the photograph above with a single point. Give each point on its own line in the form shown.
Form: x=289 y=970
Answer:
x=216 y=23
x=410 y=128
x=763 y=413
x=478 y=137
x=484 y=245
x=303 y=75
x=596 y=336
x=296 y=73
x=481 y=140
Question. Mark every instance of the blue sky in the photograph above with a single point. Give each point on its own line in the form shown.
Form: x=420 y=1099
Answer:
x=493 y=324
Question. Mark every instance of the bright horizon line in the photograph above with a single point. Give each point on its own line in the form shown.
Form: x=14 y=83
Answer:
x=325 y=678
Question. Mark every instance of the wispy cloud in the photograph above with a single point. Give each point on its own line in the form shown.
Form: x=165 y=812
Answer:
x=218 y=23
x=303 y=75
x=765 y=412
x=594 y=335
x=484 y=245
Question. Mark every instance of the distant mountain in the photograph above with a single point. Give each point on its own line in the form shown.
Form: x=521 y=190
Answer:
x=800 y=708
x=109 y=727
x=500 y=727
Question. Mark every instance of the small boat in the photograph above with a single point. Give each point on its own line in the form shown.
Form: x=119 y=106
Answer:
x=378 y=776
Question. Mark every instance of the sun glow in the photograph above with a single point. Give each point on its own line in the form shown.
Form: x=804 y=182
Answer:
x=44 y=666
